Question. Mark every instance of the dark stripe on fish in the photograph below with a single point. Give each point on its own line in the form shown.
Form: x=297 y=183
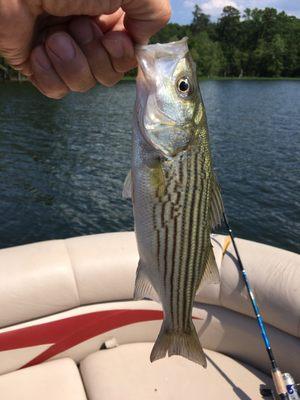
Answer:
x=202 y=239
x=166 y=255
x=189 y=239
x=184 y=243
x=158 y=248
x=194 y=227
x=175 y=258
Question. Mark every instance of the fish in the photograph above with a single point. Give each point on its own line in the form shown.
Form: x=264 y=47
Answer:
x=176 y=198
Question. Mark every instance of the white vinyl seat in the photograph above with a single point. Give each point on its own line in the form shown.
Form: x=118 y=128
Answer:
x=126 y=373
x=65 y=298
x=54 y=380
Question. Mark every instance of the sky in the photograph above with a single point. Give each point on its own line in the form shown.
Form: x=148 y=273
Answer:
x=182 y=9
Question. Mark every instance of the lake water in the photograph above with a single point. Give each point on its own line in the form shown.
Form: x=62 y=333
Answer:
x=62 y=164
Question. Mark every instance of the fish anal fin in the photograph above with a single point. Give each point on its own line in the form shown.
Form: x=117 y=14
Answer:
x=185 y=344
x=143 y=286
x=217 y=207
x=211 y=272
x=127 y=189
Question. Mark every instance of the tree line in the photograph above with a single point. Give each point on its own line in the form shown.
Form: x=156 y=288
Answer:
x=257 y=43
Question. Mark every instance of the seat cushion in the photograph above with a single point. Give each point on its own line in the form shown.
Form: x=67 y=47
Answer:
x=126 y=373
x=54 y=380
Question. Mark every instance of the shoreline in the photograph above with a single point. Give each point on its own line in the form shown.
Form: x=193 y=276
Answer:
x=201 y=78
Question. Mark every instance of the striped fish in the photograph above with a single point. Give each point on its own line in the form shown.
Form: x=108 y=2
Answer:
x=176 y=198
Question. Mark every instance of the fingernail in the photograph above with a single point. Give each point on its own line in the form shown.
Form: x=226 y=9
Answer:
x=61 y=45
x=42 y=59
x=114 y=47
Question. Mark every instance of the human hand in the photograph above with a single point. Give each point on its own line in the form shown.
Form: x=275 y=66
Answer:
x=63 y=45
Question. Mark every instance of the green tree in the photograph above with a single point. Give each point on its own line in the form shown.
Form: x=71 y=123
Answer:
x=262 y=43
x=247 y=14
x=200 y=21
x=229 y=29
x=268 y=57
x=208 y=55
x=269 y=24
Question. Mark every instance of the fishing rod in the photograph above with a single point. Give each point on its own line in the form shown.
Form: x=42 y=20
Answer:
x=278 y=380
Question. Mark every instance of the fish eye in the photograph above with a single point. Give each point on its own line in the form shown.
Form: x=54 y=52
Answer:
x=184 y=87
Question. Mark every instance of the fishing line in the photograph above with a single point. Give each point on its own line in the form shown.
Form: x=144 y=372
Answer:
x=276 y=373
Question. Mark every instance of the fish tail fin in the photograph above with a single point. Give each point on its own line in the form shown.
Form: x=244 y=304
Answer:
x=185 y=344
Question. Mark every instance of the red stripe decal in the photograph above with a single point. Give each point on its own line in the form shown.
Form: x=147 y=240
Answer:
x=69 y=332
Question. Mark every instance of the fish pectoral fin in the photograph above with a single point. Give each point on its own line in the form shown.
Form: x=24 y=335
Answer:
x=127 y=189
x=211 y=270
x=158 y=180
x=217 y=207
x=143 y=286
x=185 y=344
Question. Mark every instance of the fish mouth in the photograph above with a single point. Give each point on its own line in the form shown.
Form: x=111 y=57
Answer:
x=179 y=47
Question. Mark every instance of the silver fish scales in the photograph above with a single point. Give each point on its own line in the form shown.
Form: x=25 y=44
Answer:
x=176 y=199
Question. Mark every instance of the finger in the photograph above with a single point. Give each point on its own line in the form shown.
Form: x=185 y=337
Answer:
x=69 y=62
x=44 y=76
x=46 y=32
x=119 y=46
x=88 y=36
x=121 y=50
x=18 y=18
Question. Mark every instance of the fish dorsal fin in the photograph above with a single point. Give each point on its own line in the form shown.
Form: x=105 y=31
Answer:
x=217 y=208
x=143 y=287
x=127 y=189
x=211 y=272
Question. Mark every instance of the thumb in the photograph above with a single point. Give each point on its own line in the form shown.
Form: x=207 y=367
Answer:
x=16 y=32
x=144 y=18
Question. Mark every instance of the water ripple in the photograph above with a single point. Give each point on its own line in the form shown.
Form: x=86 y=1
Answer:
x=63 y=164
